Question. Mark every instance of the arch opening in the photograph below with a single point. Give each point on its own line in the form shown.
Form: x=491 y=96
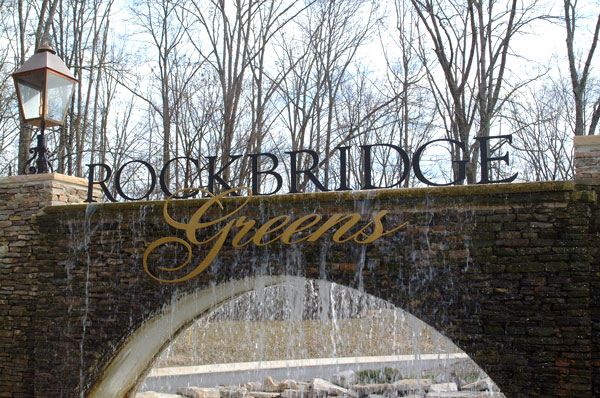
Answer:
x=287 y=328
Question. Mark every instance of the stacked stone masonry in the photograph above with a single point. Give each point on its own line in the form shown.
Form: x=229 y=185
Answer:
x=504 y=271
x=21 y=200
x=587 y=172
x=507 y=272
x=587 y=160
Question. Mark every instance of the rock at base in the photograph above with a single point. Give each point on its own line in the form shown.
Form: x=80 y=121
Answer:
x=345 y=379
x=443 y=387
x=262 y=394
x=407 y=385
x=364 y=390
x=152 y=394
x=481 y=385
x=289 y=393
x=323 y=388
x=199 y=392
x=253 y=386
x=288 y=385
x=232 y=392
x=269 y=385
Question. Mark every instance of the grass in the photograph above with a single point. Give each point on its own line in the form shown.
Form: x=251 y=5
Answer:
x=212 y=342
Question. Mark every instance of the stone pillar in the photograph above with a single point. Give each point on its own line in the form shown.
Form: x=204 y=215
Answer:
x=21 y=199
x=587 y=172
x=587 y=160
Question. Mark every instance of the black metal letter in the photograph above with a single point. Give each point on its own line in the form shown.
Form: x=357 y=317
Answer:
x=256 y=172
x=91 y=182
x=294 y=171
x=118 y=180
x=163 y=172
x=485 y=158
x=367 y=165
x=343 y=170
x=462 y=164
x=214 y=176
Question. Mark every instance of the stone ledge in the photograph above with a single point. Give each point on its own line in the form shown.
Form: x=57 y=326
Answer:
x=587 y=160
x=587 y=140
x=37 y=178
x=344 y=196
x=296 y=363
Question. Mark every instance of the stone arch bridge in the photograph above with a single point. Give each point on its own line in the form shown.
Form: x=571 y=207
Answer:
x=508 y=272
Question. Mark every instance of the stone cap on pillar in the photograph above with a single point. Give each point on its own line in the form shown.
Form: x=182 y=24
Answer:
x=587 y=159
x=51 y=188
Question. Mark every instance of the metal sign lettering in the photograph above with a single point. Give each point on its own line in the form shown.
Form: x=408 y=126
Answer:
x=216 y=182
x=280 y=228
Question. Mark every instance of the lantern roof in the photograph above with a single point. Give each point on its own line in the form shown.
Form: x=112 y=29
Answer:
x=45 y=58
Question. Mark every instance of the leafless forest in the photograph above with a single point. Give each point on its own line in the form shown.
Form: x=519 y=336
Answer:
x=167 y=81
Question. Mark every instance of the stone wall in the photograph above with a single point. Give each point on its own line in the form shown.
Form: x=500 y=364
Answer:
x=21 y=200
x=508 y=272
x=587 y=173
x=587 y=160
x=502 y=270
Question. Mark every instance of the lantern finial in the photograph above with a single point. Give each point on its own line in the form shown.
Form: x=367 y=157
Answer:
x=44 y=89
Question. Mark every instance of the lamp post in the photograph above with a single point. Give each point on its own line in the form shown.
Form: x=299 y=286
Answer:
x=44 y=87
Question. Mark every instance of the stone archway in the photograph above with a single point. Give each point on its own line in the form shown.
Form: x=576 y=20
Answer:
x=127 y=368
x=135 y=356
x=508 y=272
x=300 y=329
x=462 y=265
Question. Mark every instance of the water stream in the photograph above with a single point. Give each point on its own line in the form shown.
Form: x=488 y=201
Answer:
x=318 y=328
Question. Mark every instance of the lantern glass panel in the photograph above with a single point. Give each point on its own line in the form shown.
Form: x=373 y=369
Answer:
x=59 y=93
x=31 y=99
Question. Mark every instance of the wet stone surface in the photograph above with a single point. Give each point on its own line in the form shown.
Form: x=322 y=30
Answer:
x=317 y=387
x=508 y=273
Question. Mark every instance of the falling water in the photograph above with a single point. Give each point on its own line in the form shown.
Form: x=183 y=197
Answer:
x=302 y=319
x=82 y=241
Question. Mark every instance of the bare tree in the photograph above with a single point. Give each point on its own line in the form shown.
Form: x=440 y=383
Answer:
x=317 y=110
x=77 y=34
x=238 y=36
x=579 y=70
x=160 y=22
x=236 y=77
x=471 y=42
x=24 y=10
x=411 y=116
x=543 y=124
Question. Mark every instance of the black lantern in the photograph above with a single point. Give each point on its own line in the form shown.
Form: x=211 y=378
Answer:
x=44 y=89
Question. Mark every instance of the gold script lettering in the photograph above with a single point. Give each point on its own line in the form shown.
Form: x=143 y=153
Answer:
x=246 y=227
x=268 y=227
x=297 y=226
x=343 y=222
